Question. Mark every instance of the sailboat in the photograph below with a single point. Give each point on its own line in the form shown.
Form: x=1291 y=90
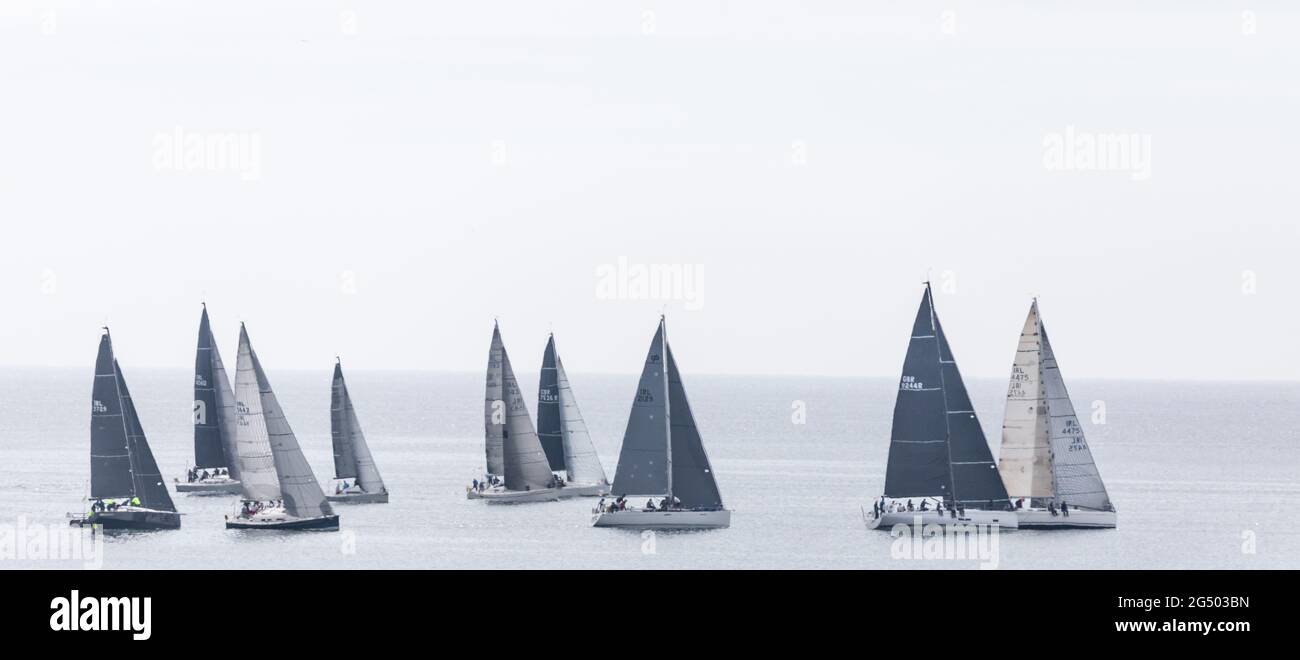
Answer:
x=356 y=477
x=1045 y=456
x=126 y=486
x=563 y=432
x=278 y=488
x=663 y=456
x=937 y=450
x=214 y=421
x=517 y=468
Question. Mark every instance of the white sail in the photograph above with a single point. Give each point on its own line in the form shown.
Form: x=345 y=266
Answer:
x=1078 y=483
x=581 y=463
x=256 y=467
x=1025 y=460
x=299 y=489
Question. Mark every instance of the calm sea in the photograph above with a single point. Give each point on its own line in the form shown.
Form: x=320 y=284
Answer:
x=1204 y=475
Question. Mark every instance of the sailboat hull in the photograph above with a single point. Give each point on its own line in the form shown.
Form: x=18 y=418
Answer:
x=130 y=519
x=209 y=487
x=360 y=498
x=502 y=496
x=1075 y=519
x=587 y=490
x=323 y=523
x=887 y=521
x=640 y=519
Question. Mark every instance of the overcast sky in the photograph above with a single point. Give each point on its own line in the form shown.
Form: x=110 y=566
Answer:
x=410 y=172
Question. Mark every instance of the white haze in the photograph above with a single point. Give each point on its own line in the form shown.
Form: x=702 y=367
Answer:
x=425 y=168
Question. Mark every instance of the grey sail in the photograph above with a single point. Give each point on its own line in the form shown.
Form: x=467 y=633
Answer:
x=494 y=411
x=1077 y=480
x=257 y=477
x=225 y=398
x=692 y=482
x=937 y=448
x=302 y=495
x=110 y=460
x=549 y=431
x=643 y=462
x=145 y=475
x=352 y=457
x=582 y=464
x=526 y=467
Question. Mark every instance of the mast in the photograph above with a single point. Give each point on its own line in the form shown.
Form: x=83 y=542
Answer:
x=668 y=408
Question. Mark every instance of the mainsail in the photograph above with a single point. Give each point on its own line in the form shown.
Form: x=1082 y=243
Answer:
x=302 y=495
x=214 y=412
x=257 y=476
x=1076 y=477
x=662 y=451
x=121 y=463
x=582 y=464
x=526 y=467
x=1025 y=461
x=550 y=431
x=494 y=412
x=936 y=446
x=352 y=459
x=643 y=467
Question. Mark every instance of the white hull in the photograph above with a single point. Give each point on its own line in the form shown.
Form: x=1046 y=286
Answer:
x=502 y=496
x=218 y=486
x=1001 y=519
x=587 y=490
x=639 y=519
x=1076 y=518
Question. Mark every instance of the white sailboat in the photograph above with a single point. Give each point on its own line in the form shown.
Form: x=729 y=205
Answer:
x=663 y=456
x=938 y=457
x=517 y=468
x=1045 y=457
x=563 y=432
x=279 y=489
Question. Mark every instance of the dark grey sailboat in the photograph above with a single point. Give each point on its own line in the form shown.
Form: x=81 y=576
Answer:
x=214 y=421
x=663 y=456
x=563 y=432
x=279 y=489
x=126 y=487
x=937 y=450
x=356 y=477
